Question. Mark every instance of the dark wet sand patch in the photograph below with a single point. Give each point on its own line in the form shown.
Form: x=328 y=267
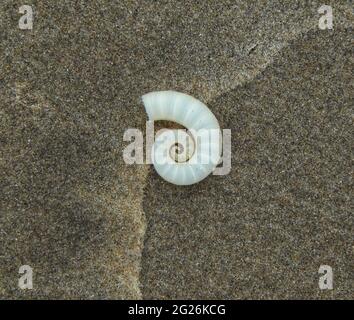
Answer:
x=285 y=209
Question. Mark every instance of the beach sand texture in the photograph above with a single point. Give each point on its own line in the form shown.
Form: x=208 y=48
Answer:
x=93 y=227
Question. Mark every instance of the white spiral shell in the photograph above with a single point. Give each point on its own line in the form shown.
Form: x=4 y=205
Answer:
x=201 y=144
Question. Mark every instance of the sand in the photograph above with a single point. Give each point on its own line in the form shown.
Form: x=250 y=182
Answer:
x=93 y=227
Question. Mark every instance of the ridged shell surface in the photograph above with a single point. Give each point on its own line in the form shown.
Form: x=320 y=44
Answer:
x=203 y=129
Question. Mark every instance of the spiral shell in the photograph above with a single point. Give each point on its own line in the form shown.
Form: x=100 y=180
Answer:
x=183 y=157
